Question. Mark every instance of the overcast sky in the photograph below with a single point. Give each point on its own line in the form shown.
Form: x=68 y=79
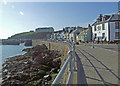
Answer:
x=16 y=17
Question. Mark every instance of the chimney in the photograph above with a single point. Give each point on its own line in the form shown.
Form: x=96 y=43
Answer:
x=89 y=25
x=100 y=17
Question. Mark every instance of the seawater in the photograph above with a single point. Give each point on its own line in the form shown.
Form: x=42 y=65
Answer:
x=7 y=51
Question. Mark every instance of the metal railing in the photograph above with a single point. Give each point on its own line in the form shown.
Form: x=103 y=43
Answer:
x=69 y=62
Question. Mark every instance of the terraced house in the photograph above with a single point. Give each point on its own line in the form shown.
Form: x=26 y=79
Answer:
x=107 y=28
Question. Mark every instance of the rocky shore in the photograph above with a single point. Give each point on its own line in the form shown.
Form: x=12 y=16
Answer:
x=38 y=66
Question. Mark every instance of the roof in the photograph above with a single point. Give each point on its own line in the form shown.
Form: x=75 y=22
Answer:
x=58 y=31
x=108 y=18
x=115 y=17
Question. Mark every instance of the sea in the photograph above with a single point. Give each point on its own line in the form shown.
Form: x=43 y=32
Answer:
x=7 y=51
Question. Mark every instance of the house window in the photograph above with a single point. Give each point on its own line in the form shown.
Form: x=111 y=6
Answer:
x=117 y=25
x=117 y=35
x=94 y=28
x=103 y=26
x=99 y=28
x=103 y=35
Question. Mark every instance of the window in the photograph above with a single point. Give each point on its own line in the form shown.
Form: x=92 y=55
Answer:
x=103 y=26
x=103 y=35
x=117 y=25
x=99 y=28
x=94 y=28
x=117 y=35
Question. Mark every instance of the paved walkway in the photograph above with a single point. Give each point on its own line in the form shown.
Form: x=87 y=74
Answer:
x=100 y=65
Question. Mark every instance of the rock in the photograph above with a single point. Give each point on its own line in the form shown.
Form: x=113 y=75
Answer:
x=47 y=77
x=26 y=49
x=40 y=48
x=32 y=68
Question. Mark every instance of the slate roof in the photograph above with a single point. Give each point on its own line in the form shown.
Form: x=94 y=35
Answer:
x=113 y=17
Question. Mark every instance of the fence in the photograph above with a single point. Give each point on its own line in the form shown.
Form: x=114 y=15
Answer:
x=69 y=62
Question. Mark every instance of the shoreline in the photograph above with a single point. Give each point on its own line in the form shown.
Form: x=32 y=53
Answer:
x=38 y=60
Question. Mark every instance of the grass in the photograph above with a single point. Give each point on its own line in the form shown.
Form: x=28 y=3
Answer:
x=55 y=74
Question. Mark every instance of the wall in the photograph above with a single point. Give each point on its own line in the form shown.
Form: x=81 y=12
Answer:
x=99 y=32
x=113 y=30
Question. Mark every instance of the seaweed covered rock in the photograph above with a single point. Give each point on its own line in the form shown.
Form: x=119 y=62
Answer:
x=33 y=68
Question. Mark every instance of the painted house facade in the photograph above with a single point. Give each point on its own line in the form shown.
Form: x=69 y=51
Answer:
x=67 y=31
x=106 y=28
x=85 y=35
x=58 y=35
x=73 y=35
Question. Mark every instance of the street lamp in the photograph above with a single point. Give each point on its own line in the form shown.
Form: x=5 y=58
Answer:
x=85 y=37
x=93 y=42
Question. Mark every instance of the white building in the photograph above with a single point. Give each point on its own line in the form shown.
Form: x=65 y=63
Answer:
x=45 y=29
x=107 y=28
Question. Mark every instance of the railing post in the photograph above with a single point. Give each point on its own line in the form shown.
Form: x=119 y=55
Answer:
x=70 y=78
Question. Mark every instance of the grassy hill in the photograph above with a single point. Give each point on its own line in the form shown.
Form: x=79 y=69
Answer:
x=31 y=35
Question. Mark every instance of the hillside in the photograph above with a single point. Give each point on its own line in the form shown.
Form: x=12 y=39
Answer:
x=31 y=35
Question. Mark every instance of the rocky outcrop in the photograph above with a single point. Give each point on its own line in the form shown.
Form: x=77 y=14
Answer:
x=33 y=68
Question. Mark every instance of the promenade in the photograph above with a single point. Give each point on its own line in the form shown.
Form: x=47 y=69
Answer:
x=100 y=64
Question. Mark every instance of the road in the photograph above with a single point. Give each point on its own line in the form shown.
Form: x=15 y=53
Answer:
x=114 y=47
x=100 y=64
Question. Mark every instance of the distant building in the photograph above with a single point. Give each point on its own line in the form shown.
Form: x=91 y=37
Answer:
x=85 y=35
x=71 y=32
x=31 y=30
x=45 y=29
x=107 y=28
x=74 y=33
x=58 y=35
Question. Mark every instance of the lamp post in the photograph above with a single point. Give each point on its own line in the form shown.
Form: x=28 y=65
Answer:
x=85 y=37
x=93 y=43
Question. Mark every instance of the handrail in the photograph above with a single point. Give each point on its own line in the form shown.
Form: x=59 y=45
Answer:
x=69 y=60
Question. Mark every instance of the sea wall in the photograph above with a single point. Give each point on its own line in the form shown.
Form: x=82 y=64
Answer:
x=10 y=42
x=62 y=48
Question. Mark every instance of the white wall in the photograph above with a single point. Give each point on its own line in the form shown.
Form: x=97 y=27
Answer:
x=106 y=31
x=99 y=32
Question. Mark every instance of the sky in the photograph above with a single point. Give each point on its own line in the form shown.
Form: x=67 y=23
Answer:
x=17 y=17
